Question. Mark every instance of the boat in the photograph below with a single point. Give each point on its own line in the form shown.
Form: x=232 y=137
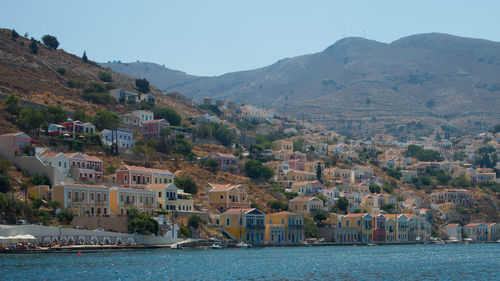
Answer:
x=371 y=244
x=242 y=244
x=216 y=246
x=176 y=246
x=440 y=243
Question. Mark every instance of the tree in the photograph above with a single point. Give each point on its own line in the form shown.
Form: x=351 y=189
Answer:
x=5 y=184
x=194 y=221
x=186 y=184
x=496 y=129
x=310 y=229
x=39 y=179
x=12 y=105
x=32 y=118
x=319 y=173
x=184 y=232
x=322 y=197
x=106 y=120
x=97 y=93
x=278 y=206
x=55 y=114
x=54 y=205
x=80 y=115
x=105 y=77
x=84 y=57
x=168 y=114
x=14 y=34
x=24 y=187
x=65 y=217
x=374 y=188
x=319 y=216
x=33 y=46
x=5 y=165
x=342 y=204
x=142 y=85
x=142 y=223
x=254 y=169
x=389 y=208
x=50 y=41
x=210 y=164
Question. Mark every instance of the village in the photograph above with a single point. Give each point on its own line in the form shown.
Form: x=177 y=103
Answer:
x=314 y=185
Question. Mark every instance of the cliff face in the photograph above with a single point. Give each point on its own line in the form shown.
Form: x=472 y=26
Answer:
x=363 y=86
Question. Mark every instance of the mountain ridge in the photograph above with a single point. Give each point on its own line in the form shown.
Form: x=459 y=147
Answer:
x=439 y=79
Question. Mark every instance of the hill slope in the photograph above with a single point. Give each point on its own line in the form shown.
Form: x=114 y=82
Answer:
x=363 y=86
x=34 y=78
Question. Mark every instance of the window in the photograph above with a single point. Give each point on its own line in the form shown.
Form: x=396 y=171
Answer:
x=104 y=197
x=92 y=196
x=159 y=195
x=69 y=195
x=227 y=221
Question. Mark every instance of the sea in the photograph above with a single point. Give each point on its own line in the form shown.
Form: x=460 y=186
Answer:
x=388 y=262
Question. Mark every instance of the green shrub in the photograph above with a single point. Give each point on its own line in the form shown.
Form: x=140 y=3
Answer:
x=61 y=71
x=105 y=77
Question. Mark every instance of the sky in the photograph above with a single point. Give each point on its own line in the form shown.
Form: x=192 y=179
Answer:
x=215 y=37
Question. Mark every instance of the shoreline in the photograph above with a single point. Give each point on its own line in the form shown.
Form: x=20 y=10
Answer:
x=99 y=248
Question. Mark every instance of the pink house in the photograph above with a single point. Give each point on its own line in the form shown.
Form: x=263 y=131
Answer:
x=152 y=128
x=16 y=141
x=227 y=162
x=87 y=167
x=134 y=175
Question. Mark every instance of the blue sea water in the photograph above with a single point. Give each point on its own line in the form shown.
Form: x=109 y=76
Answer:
x=396 y=262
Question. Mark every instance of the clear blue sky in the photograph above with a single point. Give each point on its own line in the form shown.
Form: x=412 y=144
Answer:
x=215 y=37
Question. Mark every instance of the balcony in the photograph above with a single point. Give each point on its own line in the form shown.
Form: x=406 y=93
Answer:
x=254 y=226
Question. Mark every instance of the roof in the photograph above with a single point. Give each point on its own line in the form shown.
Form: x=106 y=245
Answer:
x=225 y=155
x=284 y=213
x=18 y=134
x=238 y=211
x=136 y=168
x=82 y=185
x=452 y=224
x=304 y=199
x=222 y=187
x=51 y=154
x=305 y=182
x=474 y=224
x=157 y=185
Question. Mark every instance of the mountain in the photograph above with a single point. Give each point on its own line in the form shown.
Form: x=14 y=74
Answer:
x=359 y=86
x=45 y=78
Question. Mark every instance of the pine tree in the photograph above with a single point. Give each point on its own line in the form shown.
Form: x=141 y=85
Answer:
x=14 y=34
x=84 y=57
x=319 y=173
x=12 y=105
x=33 y=46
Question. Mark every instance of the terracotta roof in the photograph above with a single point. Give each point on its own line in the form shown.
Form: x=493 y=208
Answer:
x=474 y=224
x=154 y=170
x=452 y=224
x=222 y=187
x=238 y=211
x=283 y=213
x=304 y=198
x=51 y=154
x=13 y=134
x=225 y=155
x=136 y=168
x=88 y=157
x=352 y=215
x=160 y=185
x=82 y=185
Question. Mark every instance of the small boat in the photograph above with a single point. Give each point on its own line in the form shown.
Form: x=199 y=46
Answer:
x=440 y=243
x=371 y=244
x=176 y=247
x=242 y=244
x=216 y=246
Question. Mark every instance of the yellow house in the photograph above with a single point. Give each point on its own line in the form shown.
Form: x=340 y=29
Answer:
x=295 y=175
x=306 y=205
x=362 y=222
x=312 y=166
x=246 y=225
x=123 y=199
x=284 y=145
x=226 y=196
x=169 y=197
x=284 y=227
x=83 y=199
x=390 y=228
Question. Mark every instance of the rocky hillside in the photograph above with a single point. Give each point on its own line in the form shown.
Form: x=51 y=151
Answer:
x=44 y=78
x=359 y=86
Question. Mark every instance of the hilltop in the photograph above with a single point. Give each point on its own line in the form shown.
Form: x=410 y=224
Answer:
x=359 y=86
x=37 y=80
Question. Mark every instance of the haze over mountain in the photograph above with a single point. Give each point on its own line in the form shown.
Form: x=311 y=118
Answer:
x=362 y=86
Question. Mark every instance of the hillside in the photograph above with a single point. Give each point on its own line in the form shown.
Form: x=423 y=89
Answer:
x=358 y=86
x=34 y=78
